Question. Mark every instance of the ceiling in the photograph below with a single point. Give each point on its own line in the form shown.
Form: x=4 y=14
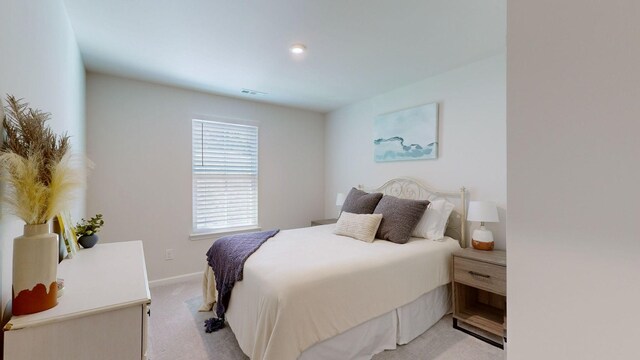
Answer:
x=356 y=48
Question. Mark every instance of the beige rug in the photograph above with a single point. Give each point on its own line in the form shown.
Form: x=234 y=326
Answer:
x=176 y=332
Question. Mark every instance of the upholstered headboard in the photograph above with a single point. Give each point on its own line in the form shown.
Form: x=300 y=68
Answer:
x=407 y=188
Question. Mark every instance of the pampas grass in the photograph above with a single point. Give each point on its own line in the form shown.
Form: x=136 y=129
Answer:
x=41 y=174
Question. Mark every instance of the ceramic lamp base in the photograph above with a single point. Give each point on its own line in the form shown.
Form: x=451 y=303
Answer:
x=481 y=245
x=482 y=239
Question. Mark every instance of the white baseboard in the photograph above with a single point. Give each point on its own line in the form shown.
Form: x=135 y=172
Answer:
x=175 y=279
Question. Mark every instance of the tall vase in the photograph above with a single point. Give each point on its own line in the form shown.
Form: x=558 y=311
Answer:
x=35 y=265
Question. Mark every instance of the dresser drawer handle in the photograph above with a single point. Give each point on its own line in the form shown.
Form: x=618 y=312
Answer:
x=478 y=274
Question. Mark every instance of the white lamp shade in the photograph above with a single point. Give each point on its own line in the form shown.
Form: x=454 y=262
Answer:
x=340 y=199
x=484 y=211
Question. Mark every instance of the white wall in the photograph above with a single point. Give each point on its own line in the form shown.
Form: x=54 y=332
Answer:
x=472 y=151
x=573 y=176
x=139 y=136
x=40 y=62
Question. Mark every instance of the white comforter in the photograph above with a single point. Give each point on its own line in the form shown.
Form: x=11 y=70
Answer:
x=307 y=285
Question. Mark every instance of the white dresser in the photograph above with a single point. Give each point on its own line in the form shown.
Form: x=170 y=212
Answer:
x=102 y=314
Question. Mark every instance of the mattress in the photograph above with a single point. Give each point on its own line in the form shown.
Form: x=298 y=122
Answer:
x=308 y=285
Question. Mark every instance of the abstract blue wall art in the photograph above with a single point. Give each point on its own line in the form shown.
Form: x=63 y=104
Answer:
x=410 y=134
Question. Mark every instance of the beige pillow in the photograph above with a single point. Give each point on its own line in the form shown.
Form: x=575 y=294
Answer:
x=358 y=226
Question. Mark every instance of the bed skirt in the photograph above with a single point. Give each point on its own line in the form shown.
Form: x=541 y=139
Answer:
x=398 y=326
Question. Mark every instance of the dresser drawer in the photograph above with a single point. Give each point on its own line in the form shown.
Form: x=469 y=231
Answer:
x=482 y=275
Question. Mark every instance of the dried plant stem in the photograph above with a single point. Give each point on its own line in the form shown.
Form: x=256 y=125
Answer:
x=41 y=175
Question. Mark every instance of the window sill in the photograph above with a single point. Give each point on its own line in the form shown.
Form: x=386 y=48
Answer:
x=213 y=235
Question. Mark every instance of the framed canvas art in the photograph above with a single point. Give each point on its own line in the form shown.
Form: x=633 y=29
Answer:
x=410 y=134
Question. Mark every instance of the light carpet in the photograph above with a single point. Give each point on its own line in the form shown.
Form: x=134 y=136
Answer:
x=176 y=332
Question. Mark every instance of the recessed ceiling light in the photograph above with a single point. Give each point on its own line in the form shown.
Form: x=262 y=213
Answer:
x=297 y=49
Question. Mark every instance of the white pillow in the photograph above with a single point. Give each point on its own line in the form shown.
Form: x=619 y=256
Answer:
x=358 y=226
x=433 y=223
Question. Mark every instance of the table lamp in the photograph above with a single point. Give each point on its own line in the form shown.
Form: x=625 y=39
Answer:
x=339 y=202
x=482 y=211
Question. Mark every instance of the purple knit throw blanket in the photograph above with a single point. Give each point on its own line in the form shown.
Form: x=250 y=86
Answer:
x=227 y=256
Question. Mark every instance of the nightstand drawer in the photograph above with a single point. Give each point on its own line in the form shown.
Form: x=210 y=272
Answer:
x=481 y=275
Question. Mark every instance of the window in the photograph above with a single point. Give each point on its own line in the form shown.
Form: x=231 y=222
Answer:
x=225 y=176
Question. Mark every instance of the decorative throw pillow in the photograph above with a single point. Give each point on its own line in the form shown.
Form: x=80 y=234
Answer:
x=399 y=217
x=433 y=223
x=360 y=202
x=358 y=226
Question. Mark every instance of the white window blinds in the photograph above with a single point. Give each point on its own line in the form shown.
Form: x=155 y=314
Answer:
x=225 y=175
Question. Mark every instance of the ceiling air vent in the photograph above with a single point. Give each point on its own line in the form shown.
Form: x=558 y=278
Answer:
x=253 y=92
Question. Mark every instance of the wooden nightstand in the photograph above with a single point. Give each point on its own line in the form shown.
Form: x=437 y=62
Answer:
x=323 y=222
x=480 y=292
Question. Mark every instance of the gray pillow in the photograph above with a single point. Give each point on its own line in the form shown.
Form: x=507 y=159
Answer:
x=399 y=218
x=360 y=202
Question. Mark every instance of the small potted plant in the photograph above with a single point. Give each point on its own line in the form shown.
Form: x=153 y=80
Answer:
x=86 y=231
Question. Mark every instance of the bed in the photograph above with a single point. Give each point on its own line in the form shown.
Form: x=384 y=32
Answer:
x=310 y=294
